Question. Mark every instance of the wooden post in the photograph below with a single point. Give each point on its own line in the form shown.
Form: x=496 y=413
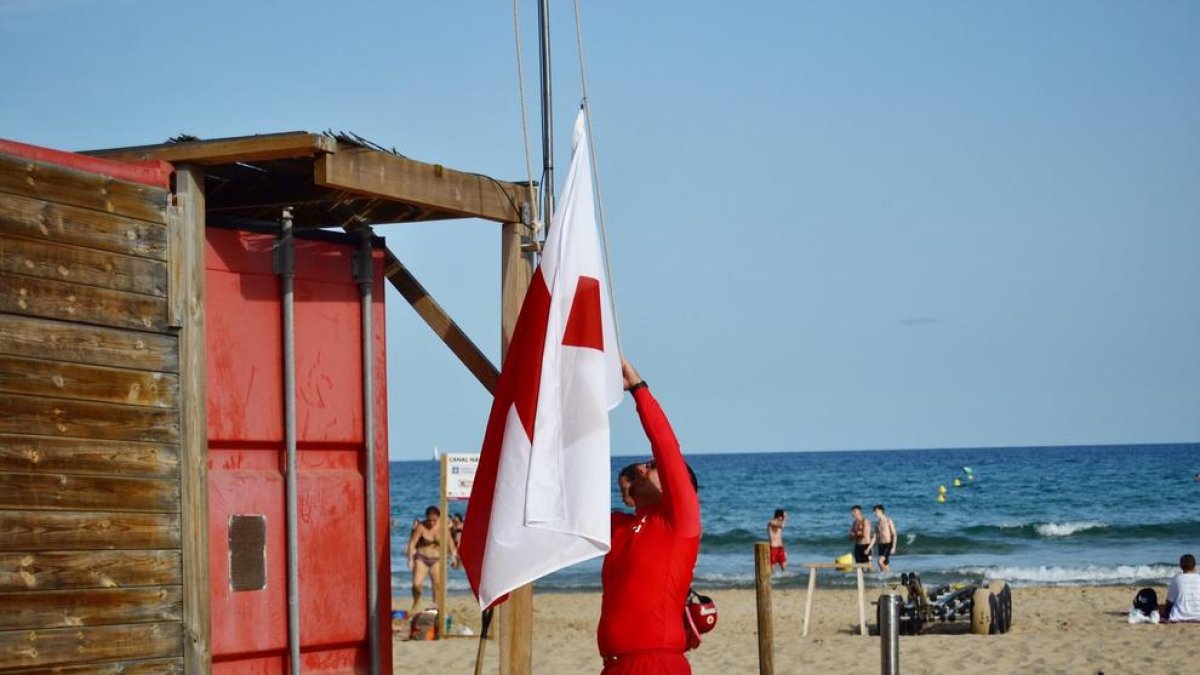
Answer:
x=762 y=591
x=439 y=591
x=808 y=599
x=193 y=417
x=516 y=614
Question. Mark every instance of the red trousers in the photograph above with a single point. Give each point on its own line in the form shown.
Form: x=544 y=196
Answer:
x=648 y=663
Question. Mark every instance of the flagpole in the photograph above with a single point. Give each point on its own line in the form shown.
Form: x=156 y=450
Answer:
x=547 y=114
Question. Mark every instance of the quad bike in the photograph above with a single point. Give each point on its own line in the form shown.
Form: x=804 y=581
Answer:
x=987 y=607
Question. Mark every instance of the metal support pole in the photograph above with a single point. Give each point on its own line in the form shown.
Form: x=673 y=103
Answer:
x=889 y=634
x=364 y=275
x=285 y=267
x=547 y=114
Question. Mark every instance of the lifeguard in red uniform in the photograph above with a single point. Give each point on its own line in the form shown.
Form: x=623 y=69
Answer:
x=648 y=570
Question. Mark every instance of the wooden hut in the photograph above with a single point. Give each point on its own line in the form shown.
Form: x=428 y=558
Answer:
x=112 y=557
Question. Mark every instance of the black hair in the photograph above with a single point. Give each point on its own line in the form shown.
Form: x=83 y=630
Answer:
x=1187 y=562
x=879 y=507
x=779 y=513
x=433 y=511
x=856 y=506
x=630 y=472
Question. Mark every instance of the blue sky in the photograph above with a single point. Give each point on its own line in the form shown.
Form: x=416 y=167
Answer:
x=835 y=225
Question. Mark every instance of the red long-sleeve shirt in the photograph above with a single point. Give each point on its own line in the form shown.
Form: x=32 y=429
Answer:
x=648 y=571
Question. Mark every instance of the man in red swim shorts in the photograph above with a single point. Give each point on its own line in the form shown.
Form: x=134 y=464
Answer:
x=775 y=535
x=648 y=570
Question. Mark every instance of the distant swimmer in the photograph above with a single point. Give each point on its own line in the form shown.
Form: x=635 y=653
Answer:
x=775 y=535
x=885 y=535
x=860 y=534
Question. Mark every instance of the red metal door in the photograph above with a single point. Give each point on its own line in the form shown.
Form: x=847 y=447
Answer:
x=246 y=458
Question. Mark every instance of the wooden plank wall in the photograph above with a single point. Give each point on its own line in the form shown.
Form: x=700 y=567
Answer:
x=91 y=568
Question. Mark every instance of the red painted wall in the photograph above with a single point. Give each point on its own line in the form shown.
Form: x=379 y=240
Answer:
x=246 y=454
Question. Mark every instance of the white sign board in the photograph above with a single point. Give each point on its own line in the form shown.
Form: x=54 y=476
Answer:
x=460 y=476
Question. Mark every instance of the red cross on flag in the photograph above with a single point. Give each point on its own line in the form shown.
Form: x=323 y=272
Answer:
x=540 y=501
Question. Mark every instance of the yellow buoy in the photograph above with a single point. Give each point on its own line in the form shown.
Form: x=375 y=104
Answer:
x=957 y=483
x=941 y=499
x=941 y=489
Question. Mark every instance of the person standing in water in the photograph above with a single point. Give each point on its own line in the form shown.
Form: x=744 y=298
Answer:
x=775 y=534
x=860 y=534
x=885 y=535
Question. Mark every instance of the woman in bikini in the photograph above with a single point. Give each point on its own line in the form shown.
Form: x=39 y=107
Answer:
x=423 y=547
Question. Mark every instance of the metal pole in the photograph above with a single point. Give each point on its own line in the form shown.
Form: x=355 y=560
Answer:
x=547 y=114
x=889 y=634
x=363 y=272
x=285 y=267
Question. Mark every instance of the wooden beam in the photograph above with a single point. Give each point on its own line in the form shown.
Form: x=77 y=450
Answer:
x=441 y=323
x=92 y=607
x=63 y=185
x=82 y=456
x=190 y=298
x=433 y=186
x=79 y=343
x=61 y=224
x=65 y=492
x=516 y=614
x=226 y=150
x=34 y=648
x=62 y=570
x=87 y=530
x=88 y=383
x=54 y=299
x=138 y=667
x=63 y=418
x=52 y=260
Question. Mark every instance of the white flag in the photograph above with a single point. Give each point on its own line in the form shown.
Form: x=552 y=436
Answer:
x=540 y=501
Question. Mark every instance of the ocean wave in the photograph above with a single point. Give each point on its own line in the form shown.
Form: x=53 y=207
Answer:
x=1089 y=529
x=1067 y=529
x=1075 y=576
x=740 y=540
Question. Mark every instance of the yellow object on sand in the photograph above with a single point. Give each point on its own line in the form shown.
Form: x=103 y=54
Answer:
x=846 y=560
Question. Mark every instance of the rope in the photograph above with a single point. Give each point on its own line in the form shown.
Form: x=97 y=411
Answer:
x=524 y=114
x=587 y=112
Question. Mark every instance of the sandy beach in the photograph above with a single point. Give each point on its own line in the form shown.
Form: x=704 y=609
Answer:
x=1055 y=630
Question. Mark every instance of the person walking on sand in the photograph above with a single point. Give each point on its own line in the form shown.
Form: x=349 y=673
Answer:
x=648 y=569
x=775 y=535
x=860 y=534
x=885 y=535
x=423 y=553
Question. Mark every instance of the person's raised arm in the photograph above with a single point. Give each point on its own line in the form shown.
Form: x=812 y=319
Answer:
x=679 y=500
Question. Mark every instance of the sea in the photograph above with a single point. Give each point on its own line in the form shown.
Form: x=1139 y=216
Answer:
x=1056 y=516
